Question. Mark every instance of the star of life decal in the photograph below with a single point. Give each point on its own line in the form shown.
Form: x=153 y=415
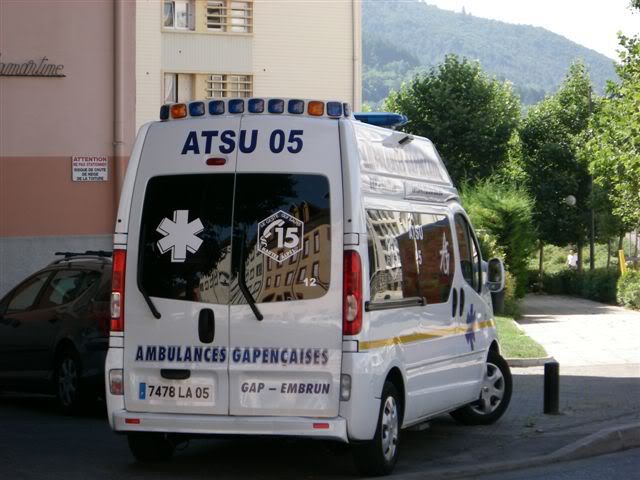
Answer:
x=180 y=235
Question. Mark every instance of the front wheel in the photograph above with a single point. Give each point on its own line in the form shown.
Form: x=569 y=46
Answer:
x=378 y=456
x=495 y=394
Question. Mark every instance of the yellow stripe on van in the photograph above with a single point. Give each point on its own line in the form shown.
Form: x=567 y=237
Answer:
x=417 y=337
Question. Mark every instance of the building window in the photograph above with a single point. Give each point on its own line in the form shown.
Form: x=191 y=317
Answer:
x=178 y=87
x=230 y=16
x=277 y=284
x=302 y=275
x=178 y=14
x=229 y=85
x=289 y=278
x=316 y=242
x=315 y=270
x=305 y=248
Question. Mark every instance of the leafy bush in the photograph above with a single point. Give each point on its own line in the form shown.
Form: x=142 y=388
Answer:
x=629 y=289
x=504 y=213
x=598 y=285
x=511 y=304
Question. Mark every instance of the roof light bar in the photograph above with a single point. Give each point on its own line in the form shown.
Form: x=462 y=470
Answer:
x=256 y=105
x=382 y=119
x=196 y=109
x=315 y=108
x=296 y=107
x=178 y=110
x=236 y=106
x=276 y=106
x=334 y=109
x=216 y=107
x=164 y=112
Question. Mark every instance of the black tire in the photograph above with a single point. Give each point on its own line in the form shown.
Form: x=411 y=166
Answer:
x=70 y=393
x=149 y=447
x=378 y=456
x=495 y=394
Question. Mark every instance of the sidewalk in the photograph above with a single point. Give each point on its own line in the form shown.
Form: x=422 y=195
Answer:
x=597 y=347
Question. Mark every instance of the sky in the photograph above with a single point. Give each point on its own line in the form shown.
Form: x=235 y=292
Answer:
x=592 y=23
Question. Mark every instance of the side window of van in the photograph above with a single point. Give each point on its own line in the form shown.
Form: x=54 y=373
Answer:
x=470 y=260
x=393 y=265
x=432 y=233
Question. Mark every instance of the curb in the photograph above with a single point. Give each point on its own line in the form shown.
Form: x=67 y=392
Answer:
x=609 y=440
x=528 y=362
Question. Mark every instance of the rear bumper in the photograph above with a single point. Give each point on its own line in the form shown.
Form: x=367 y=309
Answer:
x=326 y=428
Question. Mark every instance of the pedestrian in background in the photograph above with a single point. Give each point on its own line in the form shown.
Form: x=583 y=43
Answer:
x=572 y=260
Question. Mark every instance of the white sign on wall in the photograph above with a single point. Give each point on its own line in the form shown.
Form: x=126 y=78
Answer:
x=90 y=169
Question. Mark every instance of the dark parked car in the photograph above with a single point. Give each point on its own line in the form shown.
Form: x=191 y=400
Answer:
x=54 y=329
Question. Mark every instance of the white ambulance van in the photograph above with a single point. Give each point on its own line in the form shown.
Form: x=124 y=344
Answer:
x=281 y=268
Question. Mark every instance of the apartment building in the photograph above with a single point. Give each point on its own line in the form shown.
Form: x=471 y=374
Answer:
x=78 y=78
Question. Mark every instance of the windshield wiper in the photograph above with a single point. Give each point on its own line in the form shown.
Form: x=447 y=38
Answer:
x=243 y=286
x=152 y=307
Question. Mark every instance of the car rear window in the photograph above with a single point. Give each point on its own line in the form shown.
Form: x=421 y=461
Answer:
x=197 y=244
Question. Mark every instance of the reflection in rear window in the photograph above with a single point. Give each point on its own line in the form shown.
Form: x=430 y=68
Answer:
x=187 y=250
x=277 y=217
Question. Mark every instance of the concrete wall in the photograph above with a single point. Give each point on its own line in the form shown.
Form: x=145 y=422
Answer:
x=306 y=49
x=44 y=121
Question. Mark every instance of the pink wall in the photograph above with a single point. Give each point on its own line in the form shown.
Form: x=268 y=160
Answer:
x=45 y=121
x=38 y=198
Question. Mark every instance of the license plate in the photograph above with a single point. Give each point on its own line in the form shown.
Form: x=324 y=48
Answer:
x=150 y=391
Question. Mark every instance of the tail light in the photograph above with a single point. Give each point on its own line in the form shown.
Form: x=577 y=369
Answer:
x=351 y=293
x=117 y=290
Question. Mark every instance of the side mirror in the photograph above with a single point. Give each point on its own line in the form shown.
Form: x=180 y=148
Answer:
x=495 y=269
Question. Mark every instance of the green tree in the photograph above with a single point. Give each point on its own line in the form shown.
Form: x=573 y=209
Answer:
x=613 y=147
x=550 y=135
x=505 y=212
x=468 y=116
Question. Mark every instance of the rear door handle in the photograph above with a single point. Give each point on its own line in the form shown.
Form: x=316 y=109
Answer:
x=461 y=301
x=206 y=325
x=454 y=307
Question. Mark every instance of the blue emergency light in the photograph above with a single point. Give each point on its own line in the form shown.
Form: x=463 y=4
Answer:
x=296 y=106
x=196 y=109
x=276 y=106
x=256 y=105
x=382 y=119
x=216 y=107
x=334 y=109
x=236 y=106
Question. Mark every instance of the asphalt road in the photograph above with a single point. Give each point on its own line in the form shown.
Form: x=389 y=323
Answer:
x=621 y=465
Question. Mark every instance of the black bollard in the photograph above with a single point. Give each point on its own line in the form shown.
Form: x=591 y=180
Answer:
x=551 y=387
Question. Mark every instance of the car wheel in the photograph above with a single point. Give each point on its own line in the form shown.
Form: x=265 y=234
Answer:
x=68 y=387
x=151 y=447
x=495 y=394
x=378 y=456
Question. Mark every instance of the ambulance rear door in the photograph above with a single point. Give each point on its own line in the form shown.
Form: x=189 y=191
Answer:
x=285 y=329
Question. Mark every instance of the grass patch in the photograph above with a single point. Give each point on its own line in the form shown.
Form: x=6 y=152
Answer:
x=514 y=343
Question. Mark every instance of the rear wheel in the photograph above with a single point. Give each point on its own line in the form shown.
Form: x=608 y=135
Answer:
x=494 y=395
x=151 y=447
x=378 y=456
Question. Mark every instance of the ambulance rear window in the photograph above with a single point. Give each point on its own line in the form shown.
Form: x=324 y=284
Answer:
x=198 y=244
x=282 y=237
x=185 y=240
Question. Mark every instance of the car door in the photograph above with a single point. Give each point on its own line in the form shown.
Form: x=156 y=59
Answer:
x=472 y=312
x=286 y=348
x=176 y=305
x=16 y=328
